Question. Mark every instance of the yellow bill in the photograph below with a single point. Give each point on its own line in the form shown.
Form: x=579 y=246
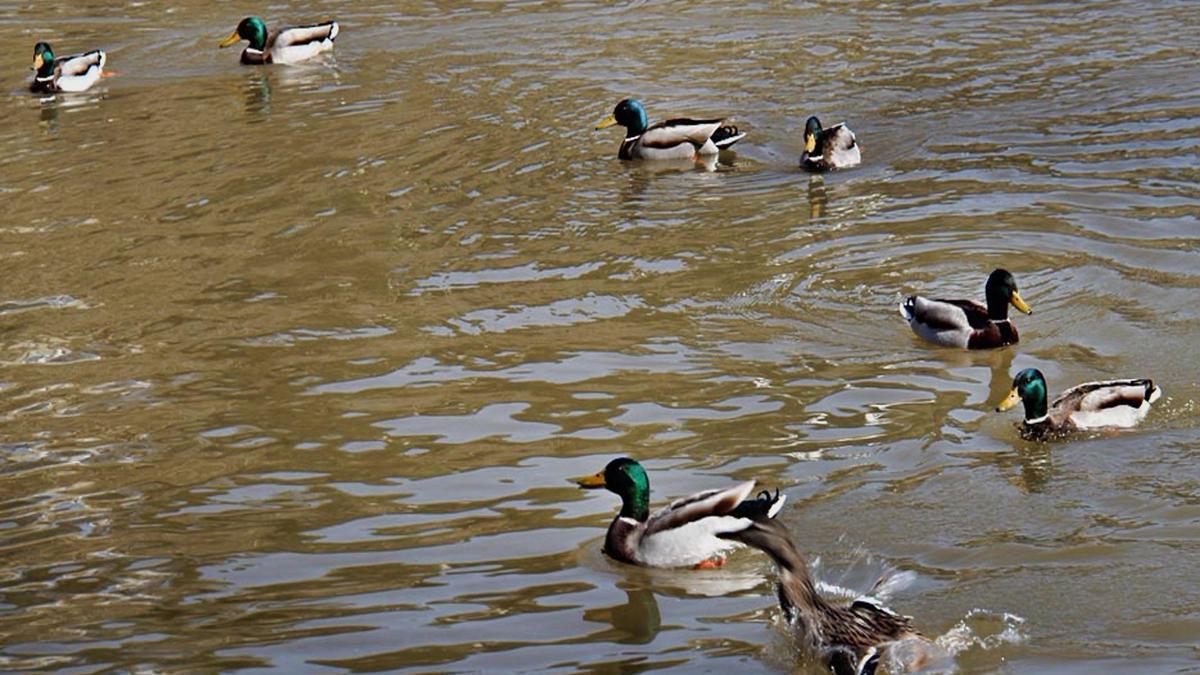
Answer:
x=1013 y=398
x=233 y=37
x=38 y=61
x=607 y=122
x=590 y=482
x=810 y=142
x=1019 y=303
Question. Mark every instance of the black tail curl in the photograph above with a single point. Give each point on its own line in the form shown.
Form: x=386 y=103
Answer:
x=725 y=136
x=757 y=509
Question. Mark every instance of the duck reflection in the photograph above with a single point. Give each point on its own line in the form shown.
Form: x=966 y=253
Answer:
x=1000 y=361
x=48 y=116
x=1037 y=466
x=256 y=93
x=643 y=176
x=818 y=198
x=637 y=621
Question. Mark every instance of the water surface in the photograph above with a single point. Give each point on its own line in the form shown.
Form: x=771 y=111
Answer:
x=296 y=361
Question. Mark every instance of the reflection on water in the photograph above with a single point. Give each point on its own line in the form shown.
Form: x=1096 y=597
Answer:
x=637 y=621
x=294 y=361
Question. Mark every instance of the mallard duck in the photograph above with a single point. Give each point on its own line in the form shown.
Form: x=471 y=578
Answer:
x=1091 y=405
x=669 y=139
x=828 y=149
x=683 y=533
x=966 y=323
x=290 y=45
x=849 y=639
x=77 y=72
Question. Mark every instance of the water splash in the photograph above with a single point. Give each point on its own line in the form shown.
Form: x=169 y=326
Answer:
x=983 y=629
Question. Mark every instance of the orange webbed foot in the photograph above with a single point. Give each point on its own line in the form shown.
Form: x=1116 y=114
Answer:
x=710 y=564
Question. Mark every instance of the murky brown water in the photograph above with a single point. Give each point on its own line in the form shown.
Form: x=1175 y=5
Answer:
x=295 y=361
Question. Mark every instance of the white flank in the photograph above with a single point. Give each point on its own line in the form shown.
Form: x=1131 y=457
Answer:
x=690 y=544
x=681 y=151
x=1116 y=416
x=82 y=81
x=297 y=53
x=956 y=337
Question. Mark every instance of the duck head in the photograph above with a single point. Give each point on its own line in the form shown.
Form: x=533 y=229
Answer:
x=251 y=29
x=630 y=114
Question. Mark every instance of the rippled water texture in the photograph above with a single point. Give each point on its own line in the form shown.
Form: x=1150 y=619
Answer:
x=294 y=362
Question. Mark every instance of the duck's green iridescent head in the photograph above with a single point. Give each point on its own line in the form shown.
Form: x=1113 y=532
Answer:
x=251 y=29
x=628 y=479
x=1001 y=290
x=630 y=114
x=812 y=131
x=1029 y=387
x=43 y=59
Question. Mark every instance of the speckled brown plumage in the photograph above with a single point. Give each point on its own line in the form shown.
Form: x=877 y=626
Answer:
x=850 y=639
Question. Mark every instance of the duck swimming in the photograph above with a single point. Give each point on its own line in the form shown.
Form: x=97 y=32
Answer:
x=849 y=640
x=828 y=149
x=669 y=139
x=77 y=72
x=1091 y=405
x=684 y=532
x=965 y=323
x=290 y=45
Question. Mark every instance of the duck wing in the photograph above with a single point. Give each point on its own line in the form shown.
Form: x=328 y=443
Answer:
x=1097 y=396
x=302 y=35
x=945 y=314
x=698 y=506
x=673 y=132
x=836 y=137
x=79 y=64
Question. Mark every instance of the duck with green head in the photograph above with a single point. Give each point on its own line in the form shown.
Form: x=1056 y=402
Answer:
x=685 y=532
x=677 y=138
x=835 y=147
x=290 y=45
x=1091 y=405
x=965 y=323
x=77 y=72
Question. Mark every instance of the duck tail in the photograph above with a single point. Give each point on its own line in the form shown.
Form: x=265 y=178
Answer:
x=762 y=508
x=1152 y=392
x=908 y=307
x=726 y=136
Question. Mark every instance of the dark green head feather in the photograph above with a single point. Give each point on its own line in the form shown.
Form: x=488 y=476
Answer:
x=628 y=479
x=45 y=65
x=1000 y=288
x=253 y=30
x=630 y=114
x=1031 y=386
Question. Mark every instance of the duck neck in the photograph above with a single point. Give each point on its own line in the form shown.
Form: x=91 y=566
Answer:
x=1035 y=404
x=997 y=307
x=635 y=504
x=47 y=68
x=796 y=583
x=638 y=125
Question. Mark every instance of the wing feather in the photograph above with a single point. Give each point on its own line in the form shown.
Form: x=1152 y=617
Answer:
x=673 y=132
x=79 y=64
x=302 y=35
x=695 y=507
x=941 y=314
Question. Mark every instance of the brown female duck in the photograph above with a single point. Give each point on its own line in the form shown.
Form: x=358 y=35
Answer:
x=852 y=639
